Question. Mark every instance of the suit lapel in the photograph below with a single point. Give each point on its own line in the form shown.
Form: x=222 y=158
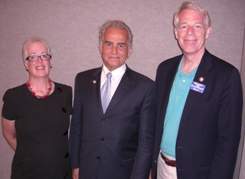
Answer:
x=122 y=89
x=95 y=88
x=203 y=72
x=167 y=85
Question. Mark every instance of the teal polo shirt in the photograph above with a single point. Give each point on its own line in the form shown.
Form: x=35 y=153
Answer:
x=177 y=99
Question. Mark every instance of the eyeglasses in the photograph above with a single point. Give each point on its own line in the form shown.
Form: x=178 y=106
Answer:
x=34 y=58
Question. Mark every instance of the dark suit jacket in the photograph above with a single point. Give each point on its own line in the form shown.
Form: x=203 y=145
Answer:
x=210 y=126
x=119 y=143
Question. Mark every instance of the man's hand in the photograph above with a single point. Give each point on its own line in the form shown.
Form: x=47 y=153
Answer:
x=75 y=173
x=150 y=175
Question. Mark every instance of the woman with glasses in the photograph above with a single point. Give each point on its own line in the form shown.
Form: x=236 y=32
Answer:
x=35 y=118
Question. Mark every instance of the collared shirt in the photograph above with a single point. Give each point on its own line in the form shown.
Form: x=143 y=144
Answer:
x=117 y=75
x=177 y=99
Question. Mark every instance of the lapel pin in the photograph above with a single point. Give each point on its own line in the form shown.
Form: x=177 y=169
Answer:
x=201 y=79
x=94 y=81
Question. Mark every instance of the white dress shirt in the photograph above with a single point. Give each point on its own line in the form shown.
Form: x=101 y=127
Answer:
x=117 y=75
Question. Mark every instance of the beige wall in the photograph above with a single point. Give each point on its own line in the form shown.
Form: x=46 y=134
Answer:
x=241 y=158
x=71 y=27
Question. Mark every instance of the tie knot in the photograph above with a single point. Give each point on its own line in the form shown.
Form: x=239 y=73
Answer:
x=108 y=75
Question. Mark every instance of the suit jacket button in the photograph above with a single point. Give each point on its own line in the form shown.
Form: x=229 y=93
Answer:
x=155 y=161
x=181 y=170
x=65 y=133
x=102 y=139
x=98 y=158
x=63 y=110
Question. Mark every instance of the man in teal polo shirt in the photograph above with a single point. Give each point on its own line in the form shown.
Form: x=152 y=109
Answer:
x=199 y=106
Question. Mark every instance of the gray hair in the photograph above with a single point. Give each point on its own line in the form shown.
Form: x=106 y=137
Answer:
x=193 y=6
x=31 y=40
x=117 y=24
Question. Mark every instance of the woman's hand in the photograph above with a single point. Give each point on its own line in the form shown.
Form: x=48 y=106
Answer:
x=9 y=132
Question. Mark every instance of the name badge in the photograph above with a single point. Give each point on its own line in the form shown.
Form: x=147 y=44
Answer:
x=198 y=87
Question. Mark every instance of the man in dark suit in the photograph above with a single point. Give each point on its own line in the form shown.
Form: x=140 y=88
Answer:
x=113 y=142
x=199 y=106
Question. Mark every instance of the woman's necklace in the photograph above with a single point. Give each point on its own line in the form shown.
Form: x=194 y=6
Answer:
x=34 y=94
